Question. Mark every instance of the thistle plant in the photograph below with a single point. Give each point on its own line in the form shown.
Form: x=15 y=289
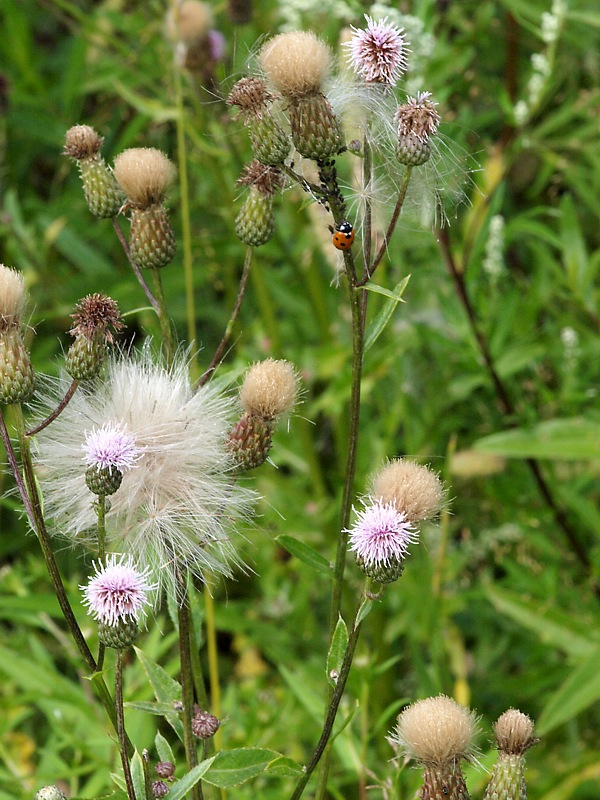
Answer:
x=148 y=471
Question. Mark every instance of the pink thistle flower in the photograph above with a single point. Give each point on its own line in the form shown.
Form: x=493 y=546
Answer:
x=378 y=54
x=110 y=447
x=118 y=591
x=381 y=534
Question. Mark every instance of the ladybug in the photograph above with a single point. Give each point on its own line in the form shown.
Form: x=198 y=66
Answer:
x=343 y=235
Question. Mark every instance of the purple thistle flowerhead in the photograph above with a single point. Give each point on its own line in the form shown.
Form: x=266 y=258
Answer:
x=381 y=534
x=378 y=54
x=118 y=591
x=110 y=447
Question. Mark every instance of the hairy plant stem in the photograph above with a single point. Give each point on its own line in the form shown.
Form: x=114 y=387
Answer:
x=232 y=320
x=101 y=511
x=121 y=724
x=185 y=212
x=31 y=500
x=334 y=702
x=187 y=689
x=163 y=316
x=506 y=403
x=138 y=274
x=147 y=776
x=58 y=410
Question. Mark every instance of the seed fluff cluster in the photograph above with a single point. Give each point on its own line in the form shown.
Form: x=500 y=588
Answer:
x=172 y=512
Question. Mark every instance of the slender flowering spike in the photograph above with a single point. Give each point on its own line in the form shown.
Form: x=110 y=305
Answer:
x=97 y=319
x=108 y=452
x=145 y=175
x=411 y=488
x=514 y=736
x=380 y=538
x=378 y=54
x=17 y=379
x=417 y=121
x=103 y=195
x=438 y=733
x=270 y=389
x=173 y=510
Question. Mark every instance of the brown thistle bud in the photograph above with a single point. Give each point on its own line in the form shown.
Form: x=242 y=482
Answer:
x=97 y=319
x=159 y=789
x=417 y=121
x=438 y=733
x=270 y=145
x=410 y=487
x=165 y=769
x=255 y=221
x=270 y=389
x=145 y=175
x=17 y=379
x=513 y=732
x=297 y=63
x=204 y=725
x=102 y=193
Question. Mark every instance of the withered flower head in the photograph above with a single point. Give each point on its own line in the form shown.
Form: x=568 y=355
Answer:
x=97 y=316
x=418 y=117
x=82 y=141
x=251 y=96
x=267 y=180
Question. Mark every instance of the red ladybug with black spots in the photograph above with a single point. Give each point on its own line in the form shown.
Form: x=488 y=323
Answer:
x=343 y=235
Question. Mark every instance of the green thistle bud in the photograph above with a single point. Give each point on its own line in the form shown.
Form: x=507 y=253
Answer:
x=85 y=357
x=103 y=481
x=255 y=222
x=382 y=573
x=118 y=636
x=412 y=151
x=250 y=441
x=102 y=192
x=17 y=379
x=96 y=318
x=316 y=131
x=151 y=241
x=270 y=145
x=514 y=736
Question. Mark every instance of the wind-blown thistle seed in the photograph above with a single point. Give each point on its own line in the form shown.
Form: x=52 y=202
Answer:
x=17 y=379
x=174 y=510
x=103 y=195
x=378 y=54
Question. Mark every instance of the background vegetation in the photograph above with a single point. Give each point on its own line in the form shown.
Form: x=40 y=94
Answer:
x=492 y=361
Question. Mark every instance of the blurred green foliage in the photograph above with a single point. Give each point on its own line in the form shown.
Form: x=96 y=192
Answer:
x=495 y=607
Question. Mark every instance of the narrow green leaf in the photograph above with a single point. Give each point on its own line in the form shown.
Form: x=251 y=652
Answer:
x=305 y=553
x=234 y=767
x=578 y=692
x=576 y=438
x=163 y=748
x=339 y=643
x=180 y=789
x=378 y=324
x=166 y=690
x=148 y=707
x=137 y=776
x=364 y=610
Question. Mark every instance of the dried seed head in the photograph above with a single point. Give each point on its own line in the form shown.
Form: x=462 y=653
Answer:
x=270 y=389
x=97 y=316
x=145 y=174
x=296 y=63
x=251 y=97
x=82 y=141
x=436 y=731
x=418 y=116
x=514 y=732
x=265 y=179
x=410 y=487
x=12 y=297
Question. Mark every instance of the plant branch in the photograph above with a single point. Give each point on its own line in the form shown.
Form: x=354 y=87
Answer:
x=121 y=724
x=151 y=299
x=187 y=687
x=58 y=410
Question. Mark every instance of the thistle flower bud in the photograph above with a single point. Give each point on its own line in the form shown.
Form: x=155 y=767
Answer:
x=108 y=452
x=17 y=379
x=190 y=22
x=145 y=175
x=514 y=736
x=102 y=192
x=270 y=389
x=204 y=725
x=411 y=488
x=97 y=319
x=119 y=636
x=417 y=122
x=255 y=222
x=165 y=769
x=50 y=793
x=438 y=733
x=159 y=789
x=297 y=63
x=270 y=145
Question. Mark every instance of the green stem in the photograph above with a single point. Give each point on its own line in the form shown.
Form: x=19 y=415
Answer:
x=213 y=660
x=121 y=724
x=187 y=688
x=163 y=317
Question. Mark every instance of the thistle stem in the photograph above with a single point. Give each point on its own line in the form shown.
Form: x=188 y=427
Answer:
x=138 y=274
x=121 y=724
x=163 y=316
x=58 y=410
x=213 y=661
x=187 y=688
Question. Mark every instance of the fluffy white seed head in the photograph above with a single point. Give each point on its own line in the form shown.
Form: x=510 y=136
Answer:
x=12 y=296
x=189 y=22
x=513 y=732
x=173 y=512
x=145 y=174
x=436 y=731
x=411 y=487
x=296 y=63
x=270 y=389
